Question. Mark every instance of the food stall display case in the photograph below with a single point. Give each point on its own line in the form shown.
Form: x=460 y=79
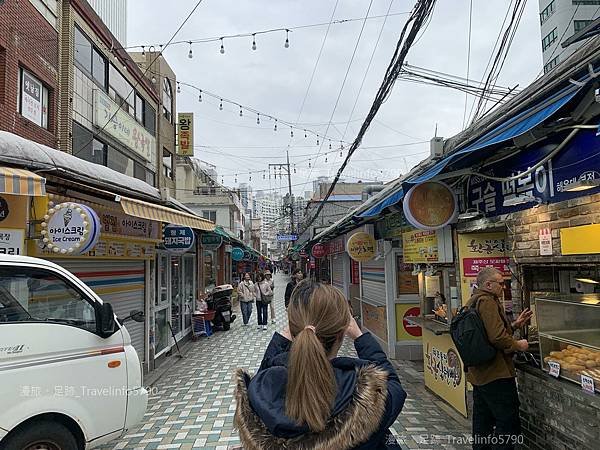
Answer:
x=569 y=334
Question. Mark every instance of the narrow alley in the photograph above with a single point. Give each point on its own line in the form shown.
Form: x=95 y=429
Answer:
x=191 y=406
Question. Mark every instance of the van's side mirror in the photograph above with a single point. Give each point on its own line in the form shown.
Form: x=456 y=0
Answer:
x=105 y=320
x=136 y=315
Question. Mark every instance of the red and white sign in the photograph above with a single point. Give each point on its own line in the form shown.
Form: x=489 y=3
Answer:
x=545 y=242
x=318 y=250
x=411 y=328
x=355 y=272
x=312 y=263
x=336 y=246
x=472 y=266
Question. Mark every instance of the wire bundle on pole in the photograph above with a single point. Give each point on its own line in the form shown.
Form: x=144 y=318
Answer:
x=420 y=14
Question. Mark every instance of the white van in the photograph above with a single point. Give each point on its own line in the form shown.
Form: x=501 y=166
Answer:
x=69 y=376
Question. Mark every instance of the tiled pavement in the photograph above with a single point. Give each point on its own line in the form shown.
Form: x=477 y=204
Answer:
x=191 y=406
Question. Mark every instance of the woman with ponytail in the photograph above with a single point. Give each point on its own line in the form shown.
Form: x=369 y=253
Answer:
x=306 y=397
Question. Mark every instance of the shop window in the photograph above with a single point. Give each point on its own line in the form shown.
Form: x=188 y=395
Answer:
x=139 y=171
x=210 y=215
x=406 y=282
x=33 y=99
x=549 y=39
x=150 y=178
x=167 y=97
x=86 y=147
x=83 y=51
x=120 y=90
x=119 y=162
x=139 y=109
x=581 y=24
x=167 y=163
x=149 y=119
x=99 y=69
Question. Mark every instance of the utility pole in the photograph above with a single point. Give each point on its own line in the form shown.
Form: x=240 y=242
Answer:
x=286 y=167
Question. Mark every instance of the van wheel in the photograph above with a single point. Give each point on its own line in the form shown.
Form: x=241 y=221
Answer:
x=43 y=435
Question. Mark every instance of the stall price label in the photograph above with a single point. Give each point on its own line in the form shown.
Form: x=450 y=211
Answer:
x=554 y=368
x=587 y=384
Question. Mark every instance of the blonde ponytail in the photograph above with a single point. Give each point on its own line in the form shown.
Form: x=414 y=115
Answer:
x=318 y=315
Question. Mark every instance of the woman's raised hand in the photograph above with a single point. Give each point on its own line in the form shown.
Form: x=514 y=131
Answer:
x=353 y=331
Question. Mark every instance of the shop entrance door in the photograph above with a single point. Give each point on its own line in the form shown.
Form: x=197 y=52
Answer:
x=162 y=334
x=189 y=290
x=176 y=296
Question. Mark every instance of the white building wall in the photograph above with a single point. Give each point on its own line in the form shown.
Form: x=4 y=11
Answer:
x=566 y=12
x=114 y=14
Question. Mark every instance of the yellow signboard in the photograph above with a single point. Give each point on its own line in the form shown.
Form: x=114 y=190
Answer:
x=582 y=240
x=420 y=246
x=361 y=247
x=185 y=131
x=477 y=251
x=443 y=370
x=13 y=211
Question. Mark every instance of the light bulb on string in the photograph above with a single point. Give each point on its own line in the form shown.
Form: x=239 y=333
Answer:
x=178 y=88
x=317 y=139
x=291 y=132
x=275 y=127
x=153 y=79
x=222 y=47
x=200 y=96
x=294 y=168
x=309 y=166
x=253 y=42
x=241 y=112
x=341 y=148
x=264 y=175
x=190 y=53
x=143 y=51
x=250 y=176
x=325 y=158
x=287 y=39
x=329 y=144
x=221 y=105
x=222 y=180
x=235 y=180
x=305 y=135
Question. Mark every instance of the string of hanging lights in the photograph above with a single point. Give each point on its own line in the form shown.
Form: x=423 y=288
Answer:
x=249 y=110
x=287 y=30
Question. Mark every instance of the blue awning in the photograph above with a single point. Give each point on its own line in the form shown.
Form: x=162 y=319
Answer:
x=516 y=126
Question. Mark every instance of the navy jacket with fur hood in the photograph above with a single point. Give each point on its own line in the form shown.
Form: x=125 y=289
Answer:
x=369 y=399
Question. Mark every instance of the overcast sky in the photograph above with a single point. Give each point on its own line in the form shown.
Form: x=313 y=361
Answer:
x=274 y=80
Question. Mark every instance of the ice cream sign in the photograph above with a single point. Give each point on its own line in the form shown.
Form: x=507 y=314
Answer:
x=70 y=228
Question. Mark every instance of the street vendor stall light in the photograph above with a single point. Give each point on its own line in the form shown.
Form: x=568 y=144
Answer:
x=582 y=185
x=470 y=213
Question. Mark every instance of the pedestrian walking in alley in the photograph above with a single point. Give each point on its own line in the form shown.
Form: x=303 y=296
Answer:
x=303 y=394
x=269 y=278
x=246 y=295
x=264 y=297
x=495 y=399
x=297 y=276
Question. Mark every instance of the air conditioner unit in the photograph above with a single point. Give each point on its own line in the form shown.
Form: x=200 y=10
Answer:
x=436 y=146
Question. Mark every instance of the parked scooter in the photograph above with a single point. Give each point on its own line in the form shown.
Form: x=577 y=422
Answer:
x=219 y=300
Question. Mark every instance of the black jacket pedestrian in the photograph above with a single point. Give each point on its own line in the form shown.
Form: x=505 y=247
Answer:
x=288 y=291
x=369 y=399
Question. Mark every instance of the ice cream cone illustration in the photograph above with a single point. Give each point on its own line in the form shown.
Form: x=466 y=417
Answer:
x=67 y=216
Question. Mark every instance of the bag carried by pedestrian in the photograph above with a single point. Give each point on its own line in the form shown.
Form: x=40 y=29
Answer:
x=263 y=298
x=470 y=338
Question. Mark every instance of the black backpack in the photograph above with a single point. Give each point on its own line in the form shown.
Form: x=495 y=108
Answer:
x=470 y=338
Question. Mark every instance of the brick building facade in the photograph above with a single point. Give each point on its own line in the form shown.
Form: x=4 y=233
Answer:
x=28 y=70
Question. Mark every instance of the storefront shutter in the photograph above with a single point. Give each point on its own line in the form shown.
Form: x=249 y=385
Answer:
x=373 y=281
x=337 y=271
x=120 y=283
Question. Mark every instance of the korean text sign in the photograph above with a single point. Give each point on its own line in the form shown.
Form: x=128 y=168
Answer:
x=185 y=130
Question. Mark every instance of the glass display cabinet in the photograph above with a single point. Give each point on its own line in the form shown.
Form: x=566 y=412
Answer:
x=569 y=334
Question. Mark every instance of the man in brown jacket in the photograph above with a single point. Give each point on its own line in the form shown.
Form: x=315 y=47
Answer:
x=496 y=422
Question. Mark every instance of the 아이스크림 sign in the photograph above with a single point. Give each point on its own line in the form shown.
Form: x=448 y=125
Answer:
x=361 y=247
x=178 y=239
x=70 y=228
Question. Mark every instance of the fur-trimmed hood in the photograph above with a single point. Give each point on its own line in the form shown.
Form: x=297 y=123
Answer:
x=357 y=415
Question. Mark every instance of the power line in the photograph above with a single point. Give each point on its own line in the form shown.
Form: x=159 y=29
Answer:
x=468 y=60
x=343 y=83
x=421 y=12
